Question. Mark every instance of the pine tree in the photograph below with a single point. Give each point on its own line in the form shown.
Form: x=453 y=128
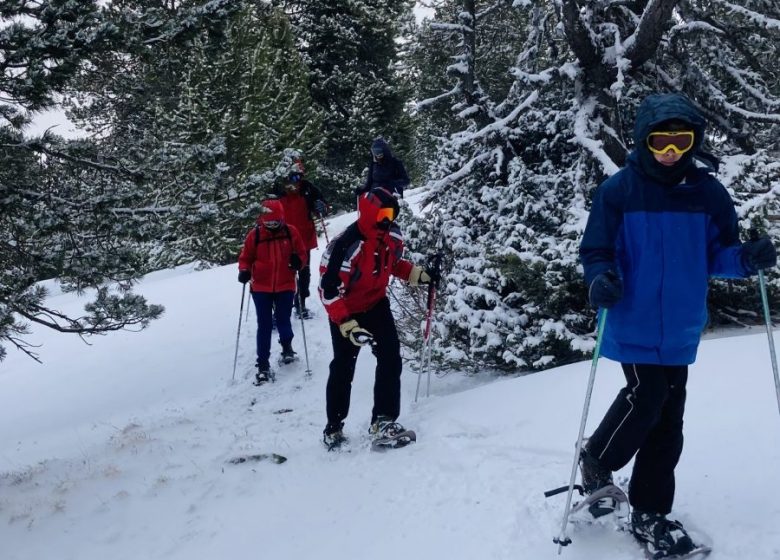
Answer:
x=350 y=49
x=59 y=216
x=514 y=180
x=205 y=117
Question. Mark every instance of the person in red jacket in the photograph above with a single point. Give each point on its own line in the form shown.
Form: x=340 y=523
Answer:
x=302 y=202
x=272 y=254
x=355 y=271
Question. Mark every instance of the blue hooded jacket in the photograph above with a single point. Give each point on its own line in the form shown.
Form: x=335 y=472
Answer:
x=664 y=241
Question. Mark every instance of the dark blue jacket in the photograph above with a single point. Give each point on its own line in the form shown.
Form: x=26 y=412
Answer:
x=390 y=173
x=664 y=241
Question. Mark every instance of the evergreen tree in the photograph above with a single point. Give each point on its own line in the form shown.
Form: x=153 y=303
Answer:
x=59 y=217
x=351 y=50
x=514 y=180
x=205 y=117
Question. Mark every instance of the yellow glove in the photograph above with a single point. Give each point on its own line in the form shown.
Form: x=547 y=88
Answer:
x=355 y=333
x=418 y=276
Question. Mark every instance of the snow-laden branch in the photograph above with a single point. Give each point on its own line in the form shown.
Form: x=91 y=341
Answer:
x=692 y=27
x=456 y=27
x=431 y=100
x=642 y=44
x=503 y=123
x=567 y=69
x=716 y=93
x=439 y=184
x=739 y=77
x=582 y=137
x=760 y=19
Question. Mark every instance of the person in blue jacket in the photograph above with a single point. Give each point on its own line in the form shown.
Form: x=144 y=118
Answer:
x=386 y=171
x=657 y=230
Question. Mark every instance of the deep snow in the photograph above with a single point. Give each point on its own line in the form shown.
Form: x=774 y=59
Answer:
x=119 y=449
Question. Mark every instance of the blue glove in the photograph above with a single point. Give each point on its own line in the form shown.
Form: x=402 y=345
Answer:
x=605 y=290
x=758 y=254
x=320 y=207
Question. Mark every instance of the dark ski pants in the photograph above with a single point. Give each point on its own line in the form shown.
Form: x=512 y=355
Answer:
x=304 y=280
x=278 y=304
x=645 y=420
x=387 y=382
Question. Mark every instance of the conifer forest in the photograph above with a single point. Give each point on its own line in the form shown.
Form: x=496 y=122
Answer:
x=508 y=113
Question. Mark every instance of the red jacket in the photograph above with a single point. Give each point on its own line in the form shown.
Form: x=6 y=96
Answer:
x=296 y=212
x=357 y=265
x=266 y=252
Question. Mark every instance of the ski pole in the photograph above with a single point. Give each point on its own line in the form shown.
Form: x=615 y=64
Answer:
x=324 y=227
x=768 y=321
x=238 y=334
x=562 y=539
x=425 y=351
x=303 y=328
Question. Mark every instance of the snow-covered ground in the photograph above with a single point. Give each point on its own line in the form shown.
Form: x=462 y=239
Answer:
x=119 y=449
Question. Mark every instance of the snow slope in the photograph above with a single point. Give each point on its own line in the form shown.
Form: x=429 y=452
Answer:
x=119 y=449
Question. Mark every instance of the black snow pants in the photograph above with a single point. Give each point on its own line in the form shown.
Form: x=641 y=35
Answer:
x=387 y=384
x=646 y=420
x=304 y=279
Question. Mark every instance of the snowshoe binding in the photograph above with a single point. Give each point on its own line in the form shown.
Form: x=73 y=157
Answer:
x=333 y=437
x=602 y=497
x=664 y=538
x=386 y=433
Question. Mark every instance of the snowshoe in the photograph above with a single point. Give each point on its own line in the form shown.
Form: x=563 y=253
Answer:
x=333 y=437
x=664 y=538
x=256 y=457
x=303 y=314
x=288 y=354
x=608 y=503
x=389 y=434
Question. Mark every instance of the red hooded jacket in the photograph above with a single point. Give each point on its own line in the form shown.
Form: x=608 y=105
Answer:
x=267 y=251
x=297 y=213
x=357 y=265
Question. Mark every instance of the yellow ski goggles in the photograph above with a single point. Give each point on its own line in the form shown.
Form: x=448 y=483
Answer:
x=679 y=141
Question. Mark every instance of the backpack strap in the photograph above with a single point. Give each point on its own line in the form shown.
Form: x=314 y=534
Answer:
x=257 y=235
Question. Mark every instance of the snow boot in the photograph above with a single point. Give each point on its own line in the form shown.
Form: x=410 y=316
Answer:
x=333 y=436
x=595 y=477
x=263 y=374
x=662 y=537
x=288 y=354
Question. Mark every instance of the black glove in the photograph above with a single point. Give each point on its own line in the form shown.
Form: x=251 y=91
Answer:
x=244 y=276
x=295 y=262
x=605 y=290
x=758 y=254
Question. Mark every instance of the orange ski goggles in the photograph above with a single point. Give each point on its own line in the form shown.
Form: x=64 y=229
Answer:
x=679 y=141
x=383 y=213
